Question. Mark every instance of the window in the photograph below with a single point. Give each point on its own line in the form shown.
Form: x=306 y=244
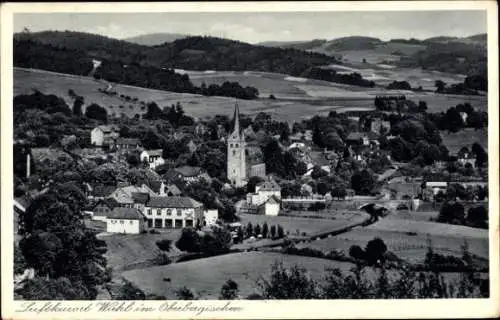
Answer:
x=179 y=212
x=189 y=223
x=150 y=212
x=231 y=145
x=168 y=223
x=131 y=222
x=158 y=223
x=169 y=212
x=150 y=223
x=178 y=223
x=121 y=221
x=158 y=212
x=234 y=152
x=237 y=145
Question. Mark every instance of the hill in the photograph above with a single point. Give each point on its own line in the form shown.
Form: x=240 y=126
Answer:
x=154 y=39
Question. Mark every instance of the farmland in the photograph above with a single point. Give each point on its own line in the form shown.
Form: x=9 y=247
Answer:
x=464 y=138
x=206 y=276
x=296 y=98
x=125 y=250
x=310 y=226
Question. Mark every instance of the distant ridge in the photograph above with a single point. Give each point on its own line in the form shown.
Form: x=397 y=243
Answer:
x=154 y=39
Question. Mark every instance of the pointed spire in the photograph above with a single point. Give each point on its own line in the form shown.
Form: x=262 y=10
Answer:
x=236 y=119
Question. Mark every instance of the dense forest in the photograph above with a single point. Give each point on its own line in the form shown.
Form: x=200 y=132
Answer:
x=333 y=76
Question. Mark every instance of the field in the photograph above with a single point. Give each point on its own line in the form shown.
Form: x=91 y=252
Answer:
x=126 y=250
x=296 y=98
x=206 y=276
x=464 y=138
x=310 y=226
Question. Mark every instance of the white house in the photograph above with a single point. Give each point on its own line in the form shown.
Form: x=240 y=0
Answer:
x=263 y=192
x=271 y=207
x=125 y=220
x=210 y=217
x=173 y=212
x=436 y=186
x=153 y=157
x=100 y=134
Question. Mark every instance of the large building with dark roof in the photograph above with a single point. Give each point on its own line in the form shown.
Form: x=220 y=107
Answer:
x=173 y=212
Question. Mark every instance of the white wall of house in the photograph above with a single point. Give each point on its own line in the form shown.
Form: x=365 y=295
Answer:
x=271 y=209
x=261 y=196
x=96 y=137
x=172 y=218
x=124 y=226
x=211 y=216
x=152 y=161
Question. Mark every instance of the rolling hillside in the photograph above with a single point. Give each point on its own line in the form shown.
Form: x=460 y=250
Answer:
x=154 y=39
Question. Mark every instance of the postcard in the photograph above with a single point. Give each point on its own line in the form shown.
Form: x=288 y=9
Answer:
x=249 y=160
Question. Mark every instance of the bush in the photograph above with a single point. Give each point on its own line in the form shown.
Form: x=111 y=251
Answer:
x=357 y=252
x=185 y=293
x=374 y=251
x=229 y=290
x=162 y=259
x=164 y=245
x=154 y=231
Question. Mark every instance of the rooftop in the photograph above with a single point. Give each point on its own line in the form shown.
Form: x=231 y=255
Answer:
x=188 y=171
x=173 y=202
x=125 y=213
x=155 y=153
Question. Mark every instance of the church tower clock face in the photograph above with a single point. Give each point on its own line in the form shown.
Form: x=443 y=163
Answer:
x=236 y=163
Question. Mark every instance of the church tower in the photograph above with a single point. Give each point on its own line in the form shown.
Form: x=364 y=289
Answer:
x=236 y=165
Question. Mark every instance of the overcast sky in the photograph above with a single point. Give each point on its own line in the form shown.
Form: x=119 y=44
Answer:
x=258 y=27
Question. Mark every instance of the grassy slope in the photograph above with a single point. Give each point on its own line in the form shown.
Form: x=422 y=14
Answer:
x=206 y=276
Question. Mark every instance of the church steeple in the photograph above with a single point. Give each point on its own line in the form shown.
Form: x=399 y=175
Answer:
x=236 y=120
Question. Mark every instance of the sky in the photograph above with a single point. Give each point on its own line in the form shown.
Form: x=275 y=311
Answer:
x=269 y=26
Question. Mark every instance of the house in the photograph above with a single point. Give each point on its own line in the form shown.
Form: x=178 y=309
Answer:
x=357 y=139
x=200 y=129
x=102 y=208
x=173 y=212
x=21 y=204
x=98 y=191
x=271 y=207
x=105 y=133
x=210 y=217
x=89 y=154
x=464 y=157
x=257 y=170
x=380 y=126
x=187 y=174
x=125 y=220
x=153 y=157
x=436 y=186
x=125 y=197
x=126 y=144
x=263 y=192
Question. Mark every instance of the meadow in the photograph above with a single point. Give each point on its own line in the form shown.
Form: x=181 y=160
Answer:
x=311 y=226
x=126 y=250
x=206 y=276
x=296 y=98
x=464 y=138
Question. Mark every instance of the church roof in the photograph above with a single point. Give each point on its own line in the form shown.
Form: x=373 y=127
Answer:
x=236 y=121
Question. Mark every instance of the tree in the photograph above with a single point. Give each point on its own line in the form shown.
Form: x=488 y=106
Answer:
x=265 y=230
x=440 y=85
x=257 y=230
x=273 y=231
x=481 y=155
x=362 y=182
x=229 y=290
x=422 y=106
x=185 y=293
x=288 y=283
x=375 y=250
x=241 y=234
x=41 y=288
x=478 y=217
x=451 y=212
x=77 y=106
x=273 y=158
x=249 y=229
x=322 y=188
x=95 y=111
x=189 y=241
x=357 y=252
x=281 y=232
x=164 y=245
x=252 y=182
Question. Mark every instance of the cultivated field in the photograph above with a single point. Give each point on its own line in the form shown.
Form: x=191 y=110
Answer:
x=126 y=250
x=464 y=138
x=310 y=226
x=206 y=276
x=296 y=98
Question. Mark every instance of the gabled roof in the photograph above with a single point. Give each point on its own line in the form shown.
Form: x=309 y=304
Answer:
x=273 y=200
x=140 y=197
x=107 y=128
x=103 y=190
x=128 y=141
x=188 y=171
x=154 y=153
x=126 y=213
x=109 y=202
x=48 y=154
x=173 y=202
x=269 y=185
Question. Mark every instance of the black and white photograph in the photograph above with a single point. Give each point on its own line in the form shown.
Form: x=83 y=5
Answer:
x=251 y=155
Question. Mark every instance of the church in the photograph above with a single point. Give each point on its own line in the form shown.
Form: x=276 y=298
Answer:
x=236 y=163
